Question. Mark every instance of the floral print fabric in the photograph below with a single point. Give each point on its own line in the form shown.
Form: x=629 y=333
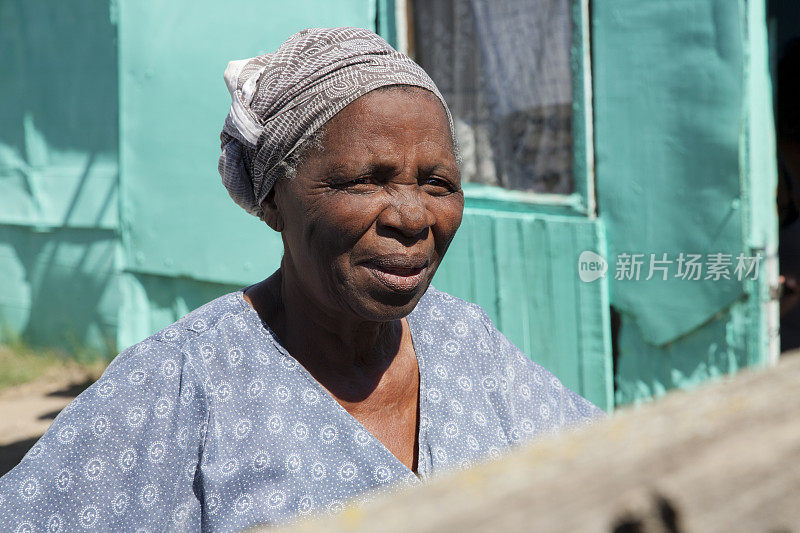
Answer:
x=211 y=424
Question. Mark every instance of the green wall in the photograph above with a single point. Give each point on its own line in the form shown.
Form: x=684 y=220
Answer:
x=685 y=163
x=114 y=221
x=109 y=138
x=59 y=246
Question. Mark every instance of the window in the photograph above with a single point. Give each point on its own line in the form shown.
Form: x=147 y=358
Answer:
x=505 y=69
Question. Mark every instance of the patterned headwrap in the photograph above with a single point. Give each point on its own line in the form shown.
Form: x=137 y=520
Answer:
x=282 y=99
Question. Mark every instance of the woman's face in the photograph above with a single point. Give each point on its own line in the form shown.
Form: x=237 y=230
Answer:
x=368 y=218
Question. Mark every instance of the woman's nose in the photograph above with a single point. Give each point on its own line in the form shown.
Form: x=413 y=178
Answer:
x=408 y=216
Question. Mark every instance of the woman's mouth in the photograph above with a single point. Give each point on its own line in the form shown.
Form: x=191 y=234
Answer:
x=398 y=274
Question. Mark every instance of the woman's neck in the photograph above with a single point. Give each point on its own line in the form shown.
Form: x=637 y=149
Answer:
x=332 y=346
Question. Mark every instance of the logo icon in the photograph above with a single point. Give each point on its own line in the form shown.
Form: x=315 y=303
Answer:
x=591 y=266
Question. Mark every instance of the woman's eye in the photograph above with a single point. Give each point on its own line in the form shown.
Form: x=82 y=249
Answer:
x=438 y=184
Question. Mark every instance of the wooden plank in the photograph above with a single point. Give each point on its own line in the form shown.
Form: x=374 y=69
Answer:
x=564 y=279
x=722 y=458
x=582 y=113
x=536 y=245
x=454 y=275
x=513 y=309
x=594 y=325
x=484 y=267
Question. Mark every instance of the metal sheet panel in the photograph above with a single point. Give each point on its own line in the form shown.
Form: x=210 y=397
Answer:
x=685 y=163
x=58 y=114
x=669 y=91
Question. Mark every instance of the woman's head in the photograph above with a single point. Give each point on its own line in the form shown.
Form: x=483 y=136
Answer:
x=370 y=213
x=371 y=195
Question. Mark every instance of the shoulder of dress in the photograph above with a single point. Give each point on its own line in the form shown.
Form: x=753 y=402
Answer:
x=450 y=306
x=443 y=323
x=206 y=318
x=175 y=338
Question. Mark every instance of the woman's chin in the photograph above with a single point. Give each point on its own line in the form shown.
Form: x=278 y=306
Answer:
x=383 y=305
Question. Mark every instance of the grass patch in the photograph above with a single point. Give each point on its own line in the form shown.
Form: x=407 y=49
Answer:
x=20 y=364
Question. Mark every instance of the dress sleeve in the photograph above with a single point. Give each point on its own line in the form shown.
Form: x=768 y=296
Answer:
x=122 y=455
x=536 y=400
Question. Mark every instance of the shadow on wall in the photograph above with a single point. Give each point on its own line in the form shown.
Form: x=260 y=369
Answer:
x=58 y=172
x=54 y=85
x=64 y=289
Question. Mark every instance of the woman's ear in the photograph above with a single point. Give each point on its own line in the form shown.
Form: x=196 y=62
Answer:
x=271 y=212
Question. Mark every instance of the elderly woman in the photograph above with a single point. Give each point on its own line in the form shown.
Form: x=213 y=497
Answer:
x=342 y=372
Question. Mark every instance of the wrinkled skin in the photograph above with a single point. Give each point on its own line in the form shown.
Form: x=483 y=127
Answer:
x=365 y=224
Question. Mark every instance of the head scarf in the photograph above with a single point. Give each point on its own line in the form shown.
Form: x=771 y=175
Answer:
x=279 y=100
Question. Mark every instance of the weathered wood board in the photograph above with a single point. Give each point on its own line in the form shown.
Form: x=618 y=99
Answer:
x=722 y=458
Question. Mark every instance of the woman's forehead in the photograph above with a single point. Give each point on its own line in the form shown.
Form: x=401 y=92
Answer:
x=382 y=119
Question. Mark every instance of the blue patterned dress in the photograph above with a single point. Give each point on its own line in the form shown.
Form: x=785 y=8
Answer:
x=211 y=424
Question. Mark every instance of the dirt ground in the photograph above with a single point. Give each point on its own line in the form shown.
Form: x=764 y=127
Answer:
x=26 y=411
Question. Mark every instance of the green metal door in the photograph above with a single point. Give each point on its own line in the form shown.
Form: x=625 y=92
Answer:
x=686 y=164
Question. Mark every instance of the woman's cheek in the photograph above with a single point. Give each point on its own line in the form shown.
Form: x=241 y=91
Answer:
x=332 y=238
x=350 y=218
x=449 y=215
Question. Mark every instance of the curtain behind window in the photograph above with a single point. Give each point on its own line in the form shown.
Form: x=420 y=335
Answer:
x=504 y=68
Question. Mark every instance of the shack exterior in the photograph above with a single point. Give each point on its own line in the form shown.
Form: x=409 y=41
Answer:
x=114 y=223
